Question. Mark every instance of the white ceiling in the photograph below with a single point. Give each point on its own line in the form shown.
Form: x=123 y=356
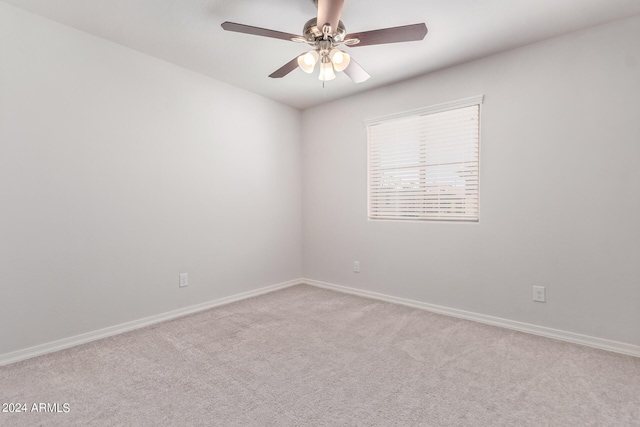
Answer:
x=188 y=33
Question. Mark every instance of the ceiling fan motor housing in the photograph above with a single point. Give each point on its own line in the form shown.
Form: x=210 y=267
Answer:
x=312 y=33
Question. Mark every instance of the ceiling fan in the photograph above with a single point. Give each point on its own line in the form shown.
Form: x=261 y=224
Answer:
x=325 y=34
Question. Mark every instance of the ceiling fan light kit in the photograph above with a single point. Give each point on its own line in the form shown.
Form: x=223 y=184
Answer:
x=326 y=70
x=325 y=40
x=307 y=61
x=340 y=59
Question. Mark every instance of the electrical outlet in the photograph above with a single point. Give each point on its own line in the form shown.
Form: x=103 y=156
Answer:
x=538 y=294
x=184 y=279
x=356 y=266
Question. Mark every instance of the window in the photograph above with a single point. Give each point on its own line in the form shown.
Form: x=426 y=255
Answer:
x=423 y=164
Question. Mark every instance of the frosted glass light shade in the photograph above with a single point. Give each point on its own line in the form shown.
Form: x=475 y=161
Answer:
x=326 y=72
x=339 y=59
x=307 y=62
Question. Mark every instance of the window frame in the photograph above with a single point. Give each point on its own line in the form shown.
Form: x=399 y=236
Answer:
x=431 y=109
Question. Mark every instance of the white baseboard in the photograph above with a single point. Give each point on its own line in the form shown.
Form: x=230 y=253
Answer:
x=614 y=346
x=603 y=344
x=38 y=350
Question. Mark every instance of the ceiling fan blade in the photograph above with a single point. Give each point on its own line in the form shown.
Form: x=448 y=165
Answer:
x=407 y=33
x=285 y=69
x=257 y=31
x=356 y=72
x=329 y=12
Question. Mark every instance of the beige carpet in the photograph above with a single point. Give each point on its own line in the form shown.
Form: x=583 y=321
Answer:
x=307 y=356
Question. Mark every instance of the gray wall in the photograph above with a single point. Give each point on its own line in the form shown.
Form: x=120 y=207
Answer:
x=118 y=171
x=559 y=202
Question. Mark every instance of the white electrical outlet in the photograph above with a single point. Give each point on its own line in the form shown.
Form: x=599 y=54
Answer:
x=356 y=266
x=538 y=293
x=184 y=279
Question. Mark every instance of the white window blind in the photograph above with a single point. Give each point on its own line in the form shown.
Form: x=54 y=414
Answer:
x=424 y=164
